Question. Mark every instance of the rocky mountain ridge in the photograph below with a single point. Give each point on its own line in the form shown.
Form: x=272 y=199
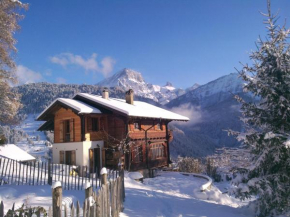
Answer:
x=128 y=78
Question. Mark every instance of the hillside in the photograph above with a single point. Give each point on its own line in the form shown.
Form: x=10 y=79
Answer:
x=212 y=110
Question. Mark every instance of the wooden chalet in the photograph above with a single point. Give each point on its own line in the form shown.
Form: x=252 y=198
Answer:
x=97 y=131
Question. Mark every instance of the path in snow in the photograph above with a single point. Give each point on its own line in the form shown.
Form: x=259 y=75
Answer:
x=172 y=194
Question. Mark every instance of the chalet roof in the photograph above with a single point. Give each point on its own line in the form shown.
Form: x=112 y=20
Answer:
x=13 y=152
x=138 y=109
x=75 y=105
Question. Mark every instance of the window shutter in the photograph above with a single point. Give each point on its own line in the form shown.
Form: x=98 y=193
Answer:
x=73 y=157
x=61 y=157
x=89 y=124
x=71 y=127
x=61 y=131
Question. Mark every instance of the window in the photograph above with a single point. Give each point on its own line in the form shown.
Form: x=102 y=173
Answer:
x=95 y=124
x=66 y=126
x=137 y=125
x=66 y=130
x=137 y=154
x=157 y=151
x=67 y=157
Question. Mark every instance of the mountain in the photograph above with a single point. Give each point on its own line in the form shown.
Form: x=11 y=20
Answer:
x=128 y=78
x=211 y=93
x=192 y=87
x=212 y=110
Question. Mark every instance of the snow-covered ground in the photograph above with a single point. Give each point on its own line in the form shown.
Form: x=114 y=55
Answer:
x=173 y=194
x=38 y=148
x=169 y=194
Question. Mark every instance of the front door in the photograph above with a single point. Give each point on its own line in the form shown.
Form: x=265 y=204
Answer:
x=97 y=157
x=95 y=160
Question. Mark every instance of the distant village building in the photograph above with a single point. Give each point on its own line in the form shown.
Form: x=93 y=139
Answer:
x=98 y=131
x=13 y=152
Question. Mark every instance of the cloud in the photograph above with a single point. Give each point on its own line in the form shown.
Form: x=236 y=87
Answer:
x=26 y=75
x=108 y=65
x=194 y=113
x=60 y=80
x=90 y=64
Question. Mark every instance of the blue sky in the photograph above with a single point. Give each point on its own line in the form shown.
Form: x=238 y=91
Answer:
x=181 y=41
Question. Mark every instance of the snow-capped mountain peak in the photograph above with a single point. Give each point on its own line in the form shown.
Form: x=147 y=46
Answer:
x=123 y=78
x=128 y=78
x=212 y=92
x=168 y=84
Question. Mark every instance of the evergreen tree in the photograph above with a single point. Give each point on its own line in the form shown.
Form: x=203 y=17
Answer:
x=267 y=122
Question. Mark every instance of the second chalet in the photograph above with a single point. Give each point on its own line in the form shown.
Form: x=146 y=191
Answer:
x=97 y=131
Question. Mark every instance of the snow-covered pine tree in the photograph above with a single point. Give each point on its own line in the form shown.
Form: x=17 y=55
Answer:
x=9 y=17
x=267 y=122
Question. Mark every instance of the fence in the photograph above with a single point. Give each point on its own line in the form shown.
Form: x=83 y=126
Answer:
x=41 y=173
x=106 y=201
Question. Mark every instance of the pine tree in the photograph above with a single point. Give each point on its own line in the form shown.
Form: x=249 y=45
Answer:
x=9 y=17
x=267 y=122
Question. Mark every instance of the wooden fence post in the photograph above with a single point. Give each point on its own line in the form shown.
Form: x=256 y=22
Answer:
x=72 y=212
x=88 y=190
x=3 y=166
x=13 y=161
x=84 y=208
x=104 y=192
x=123 y=185
x=113 y=202
x=38 y=174
x=33 y=172
x=104 y=175
x=65 y=210
x=108 y=198
x=98 y=204
x=56 y=199
x=49 y=212
x=19 y=172
x=78 y=209
x=49 y=173
x=1 y=209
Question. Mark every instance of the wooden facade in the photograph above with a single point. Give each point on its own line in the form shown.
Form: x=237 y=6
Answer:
x=148 y=141
x=61 y=116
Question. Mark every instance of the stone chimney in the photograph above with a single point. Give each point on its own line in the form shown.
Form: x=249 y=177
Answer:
x=105 y=93
x=130 y=96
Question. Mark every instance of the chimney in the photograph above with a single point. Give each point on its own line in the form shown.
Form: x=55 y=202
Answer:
x=105 y=93
x=130 y=97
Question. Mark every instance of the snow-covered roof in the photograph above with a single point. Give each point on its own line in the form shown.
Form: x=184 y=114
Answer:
x=138 y=109
x=79 y=106
x=15 y=153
